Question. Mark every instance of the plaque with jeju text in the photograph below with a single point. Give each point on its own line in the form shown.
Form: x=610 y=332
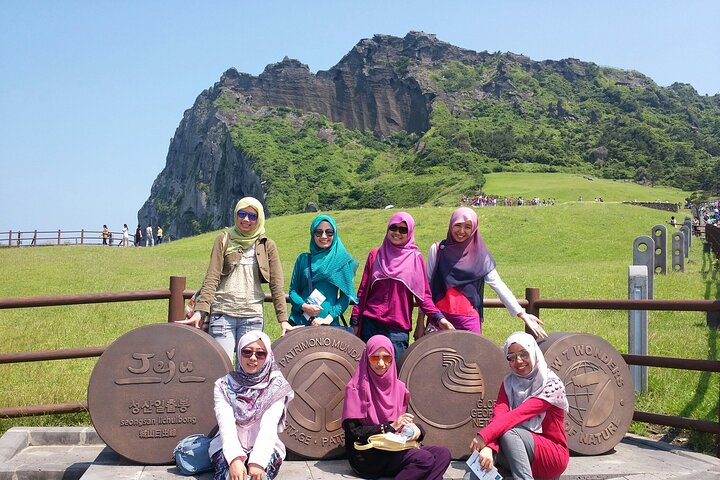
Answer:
x=153 y=387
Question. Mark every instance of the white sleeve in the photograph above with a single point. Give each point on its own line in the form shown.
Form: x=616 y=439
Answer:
x=226 y=426
x=494 y=281
x=431 y=260
x=268 y=435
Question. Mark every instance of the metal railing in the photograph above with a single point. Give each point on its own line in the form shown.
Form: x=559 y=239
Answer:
x=533 y=303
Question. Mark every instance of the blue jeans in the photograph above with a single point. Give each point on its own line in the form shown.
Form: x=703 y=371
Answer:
x=399 y=339
x=227 y=330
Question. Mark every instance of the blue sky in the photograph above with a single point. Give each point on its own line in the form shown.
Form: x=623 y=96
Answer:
x=91 y=92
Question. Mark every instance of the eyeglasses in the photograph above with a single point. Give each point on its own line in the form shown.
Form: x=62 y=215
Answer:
x=242 y=214
x=375 y=359
x=319 y=233
x=259 y=354
x=523 y=354
x=398 y=228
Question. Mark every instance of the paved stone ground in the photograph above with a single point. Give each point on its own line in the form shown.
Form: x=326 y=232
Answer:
x=78 y=453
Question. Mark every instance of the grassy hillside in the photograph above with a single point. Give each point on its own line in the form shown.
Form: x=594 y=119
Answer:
x=570 y=250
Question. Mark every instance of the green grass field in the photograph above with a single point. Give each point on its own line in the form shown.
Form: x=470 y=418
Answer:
x=570 y=250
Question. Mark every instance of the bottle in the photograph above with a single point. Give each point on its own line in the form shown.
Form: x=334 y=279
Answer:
x=407 y=432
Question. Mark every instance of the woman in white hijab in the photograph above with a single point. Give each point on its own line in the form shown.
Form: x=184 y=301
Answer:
x=527 y=432
x=250 y=407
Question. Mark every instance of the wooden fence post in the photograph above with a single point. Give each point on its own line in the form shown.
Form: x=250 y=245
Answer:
x=58 y=237
x=10 y=238
x=82 y=236
x=34 y=240
x=532 y=295
x=176 y=305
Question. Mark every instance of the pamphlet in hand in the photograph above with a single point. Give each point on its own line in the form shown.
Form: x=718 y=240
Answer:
x=315 y=298
x=474 y=463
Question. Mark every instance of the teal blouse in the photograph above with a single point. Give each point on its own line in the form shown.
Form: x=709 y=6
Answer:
x=336 y=302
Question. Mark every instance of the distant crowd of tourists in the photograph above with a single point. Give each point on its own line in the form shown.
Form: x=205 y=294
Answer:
x=484 y=200
x=149 y=239
x=710 y=212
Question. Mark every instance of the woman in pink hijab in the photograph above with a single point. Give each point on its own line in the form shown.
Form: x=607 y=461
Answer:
x=376 y=402
x=393 y=279
x=458 y=269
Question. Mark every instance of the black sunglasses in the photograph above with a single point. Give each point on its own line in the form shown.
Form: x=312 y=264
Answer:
x=319 y=233
x=398 y=228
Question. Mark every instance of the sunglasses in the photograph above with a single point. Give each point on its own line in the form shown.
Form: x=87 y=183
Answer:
x=319 y=233
x=398 y=228
x=523 y=354
x=259 y=354
x=242 y=214
x=375 y=359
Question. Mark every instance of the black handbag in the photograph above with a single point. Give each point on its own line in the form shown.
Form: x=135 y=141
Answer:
x=343 y=322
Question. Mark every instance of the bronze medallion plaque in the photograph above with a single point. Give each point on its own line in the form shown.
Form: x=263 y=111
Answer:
x=317 y=362
x=153 y=387
x=454 y=377
x=599 y=390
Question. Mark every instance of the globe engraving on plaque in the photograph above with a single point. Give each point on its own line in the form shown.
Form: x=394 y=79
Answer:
x=599 y=390
x=154 y=386
x=317 y=362
x=454 y=378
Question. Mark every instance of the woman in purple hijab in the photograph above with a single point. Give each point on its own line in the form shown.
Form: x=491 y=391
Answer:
x=458 y=269
x=393 y=279
x=376 y=402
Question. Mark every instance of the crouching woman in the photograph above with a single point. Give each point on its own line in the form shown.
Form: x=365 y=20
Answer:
x=526 y=434
x=250 y=407
x=376 y=402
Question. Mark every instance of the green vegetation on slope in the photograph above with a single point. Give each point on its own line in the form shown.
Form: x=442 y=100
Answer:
x=305 y=158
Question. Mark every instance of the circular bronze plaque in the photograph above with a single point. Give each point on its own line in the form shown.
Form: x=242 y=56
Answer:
x=318 y=362
x=599 y=390
x=153 y=387
x=454 y=378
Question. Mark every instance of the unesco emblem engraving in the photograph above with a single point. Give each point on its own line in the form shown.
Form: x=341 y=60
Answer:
x=454 y=378
x=599 y=390
x=153 y=387
x=317 y=362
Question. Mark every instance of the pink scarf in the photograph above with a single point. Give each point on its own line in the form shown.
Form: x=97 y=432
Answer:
x=402 y=263
x=371 y=398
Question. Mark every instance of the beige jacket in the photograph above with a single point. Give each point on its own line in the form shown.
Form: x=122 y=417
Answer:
x=270 y=272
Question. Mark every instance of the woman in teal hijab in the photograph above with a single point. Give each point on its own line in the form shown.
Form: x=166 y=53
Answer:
x=330 y=269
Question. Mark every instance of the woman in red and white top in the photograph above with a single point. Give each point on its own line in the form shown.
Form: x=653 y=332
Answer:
x=458 y=269
x=527 y=433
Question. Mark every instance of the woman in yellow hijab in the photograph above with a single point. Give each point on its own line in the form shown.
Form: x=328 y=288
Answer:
x=241 y=259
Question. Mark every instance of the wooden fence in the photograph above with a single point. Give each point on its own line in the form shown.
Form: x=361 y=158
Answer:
x=712 y=237
x=533 y=303
x=34 y=238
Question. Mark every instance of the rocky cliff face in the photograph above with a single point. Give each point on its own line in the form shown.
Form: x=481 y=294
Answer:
x=370 y=88
x=203 y=178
